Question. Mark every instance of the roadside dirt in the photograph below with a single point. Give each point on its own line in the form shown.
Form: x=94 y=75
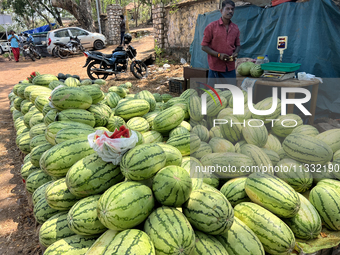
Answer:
x=18 y=230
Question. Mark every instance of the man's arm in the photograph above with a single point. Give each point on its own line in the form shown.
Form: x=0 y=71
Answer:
x=237 y=50
x=211 y=52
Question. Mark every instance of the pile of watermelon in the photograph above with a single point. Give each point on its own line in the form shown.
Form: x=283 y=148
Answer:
x=155 y=201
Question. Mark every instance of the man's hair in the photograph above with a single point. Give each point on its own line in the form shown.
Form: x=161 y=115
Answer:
x=122 y=16
x=225 y=2
x=11 y=31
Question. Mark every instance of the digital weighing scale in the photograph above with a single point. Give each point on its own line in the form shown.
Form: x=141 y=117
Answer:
x=280 y=71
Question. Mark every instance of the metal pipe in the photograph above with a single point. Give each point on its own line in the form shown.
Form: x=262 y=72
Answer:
x=98 y=15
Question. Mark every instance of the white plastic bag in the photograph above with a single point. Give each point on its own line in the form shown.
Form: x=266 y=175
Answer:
x=111 y=150
x=302 y=76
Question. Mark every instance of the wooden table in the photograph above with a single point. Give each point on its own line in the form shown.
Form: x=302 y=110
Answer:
x=190 y=72
x=293 y=83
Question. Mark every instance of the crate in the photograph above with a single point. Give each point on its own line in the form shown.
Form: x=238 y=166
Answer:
x=176 y=85
x=280 y=67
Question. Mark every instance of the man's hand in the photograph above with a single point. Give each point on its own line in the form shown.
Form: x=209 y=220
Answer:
x=235 y=54
x=224 y=57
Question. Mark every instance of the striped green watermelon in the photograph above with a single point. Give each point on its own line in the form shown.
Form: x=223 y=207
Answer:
x=41 y=101
x=216 y=161
x=72 y=245
x=46 y=109
x=275 y=236
x=306 y=130
x=295 y=174
x=29 y=115
x=209 y=211
x=72 y=82
x=331 y=138
x=267 y=104
x=335 y=184
x=204 y=149
x=152 y=159
x=336 y=155
x=17 y=114
x=172 y=186
x=70 y=98
x=212 y=181
x=140 y=138
x=36 y=119
x=50 y=116
x=24 y=143
x=53 y=84
x=118 y=90
x=27 y=168
x=59 y=197
x=17 y=103
x=234 y=191
x=215 y=132
x=96 y=94
x=173 y=155
x=77 y=115
x=37 y=152
x=54 y=229
x=202 y=132
x=326 y=201
x=71 y=133
x=150 y=116
x=175 y=100
x=29 y=89
x=178 y=131
x=273 y=156
x=285 y=124
x=152 y=137
x=23 y=129
x=168 y=119
x=25 y=106
x=282 y=154
x=187 y=94
x=132 y=108
x=99 y=247
x=139 y=124
x=57 y=160
x=231 y=130
x=125 y=205
x=53 y=128
x=166 y=97
x=101 y=115
x=82 y=217
x=37 y=130
x=146 y=95
x=39 y=193
x=21 y=90
x=307 y=223
x=91 y=175
x=130 y=241
x=240 y=240
x=44 y=79
x=37 y=140
x=38 y=93
x=112 y=99
x=170 y=231
x=307 y=149
x=186 y=144
x=255 y=133
x=208 y=244
x=260 y=158
x=220 y=145
x=157 y=97
x=42 y=211
x=36 y=179
x=215 y=106
x=115 y=122
x=273 y=194
x=185 y=125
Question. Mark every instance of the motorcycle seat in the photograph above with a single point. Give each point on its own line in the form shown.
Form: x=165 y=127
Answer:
x=102 y=54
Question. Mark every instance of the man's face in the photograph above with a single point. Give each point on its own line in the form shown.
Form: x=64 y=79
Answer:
x=227 y=11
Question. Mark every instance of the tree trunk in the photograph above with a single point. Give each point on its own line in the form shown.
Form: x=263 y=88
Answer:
x=40 y=13
x=58 y=17
x=81 y=12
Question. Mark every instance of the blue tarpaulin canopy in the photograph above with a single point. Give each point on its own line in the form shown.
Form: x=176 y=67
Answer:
x=313 y=30
x=45 y=28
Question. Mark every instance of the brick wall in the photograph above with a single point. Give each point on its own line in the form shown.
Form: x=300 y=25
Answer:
x=112 y=27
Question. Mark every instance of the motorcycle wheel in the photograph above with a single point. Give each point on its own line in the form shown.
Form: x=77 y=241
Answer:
x=31 y=56
x=139 y=69
x=63 y=54
x=92 y=74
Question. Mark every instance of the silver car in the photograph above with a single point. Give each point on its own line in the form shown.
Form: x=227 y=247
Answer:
x=87 y=39
x=4 y=47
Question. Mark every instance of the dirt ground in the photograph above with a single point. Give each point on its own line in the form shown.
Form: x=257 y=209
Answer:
x=18 y=230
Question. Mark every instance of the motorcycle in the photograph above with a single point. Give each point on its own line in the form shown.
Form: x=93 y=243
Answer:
x=34 y=51
x=100 y=66
x=73 y=47
x=27 y=52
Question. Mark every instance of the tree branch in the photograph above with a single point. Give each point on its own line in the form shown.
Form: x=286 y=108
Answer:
x=40 y=13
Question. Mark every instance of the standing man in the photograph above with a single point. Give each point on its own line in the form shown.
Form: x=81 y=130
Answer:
x=221 y=40
x=122 y=30
x=14 y=40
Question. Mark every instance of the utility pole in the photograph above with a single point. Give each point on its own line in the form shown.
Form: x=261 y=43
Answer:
x=98 y=15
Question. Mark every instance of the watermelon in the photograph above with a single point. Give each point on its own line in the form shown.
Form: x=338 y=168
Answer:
x=255 y=133
x=77 y=115
x=260 y=158
x=231 y=131
x=178 y=131
x=209 y=212
x=152 y=137
x=144 y=94
x=170 y=231
x=240 y=240
x=24 y=143
x=273 y=156
x=307 y=149
x=275 y=236
x=202 y=150
x=208 y=244
x=119 y=90
x=186 y=144
x=306 y=130
x=114 y=123
x=54 y=229
x=132 y=108
x=285 y=124
x=306 y=224
x=71 y=133
x=100 y=245
x=234 y=191
x=172 y=186
x=91 y=175
x=57 y=160
x=153 y=158
x=41 y=101
x=220 y=145
x=44 y=79
x=112 y=99
x=37 y=152
x=331 y=138
x=36 y=119
x=59 y=197
x=72 y=245
x=168 y=119
x=99 y=82
x=202 y=132
x=50 y=116
x=335 y=184
x=215 y=132
x=125 y=205
x=101 y=115
x=70 y=98
x=39 y=193
x=36 y=130
x=54 y=84
x=326 y=201
x=72 y=82
x=173 y=155
x=244 y=68
x=36 y=179
x=25 y=106
x=82 y=218
x=27 y=168
x=96 y=94
x=138 y=124
x=42 y=211
x=131 y=241
x=150 y=116
x=273 y=194
x=188 y=94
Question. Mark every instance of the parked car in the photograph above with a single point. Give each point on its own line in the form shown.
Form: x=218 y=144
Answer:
x=40 y=42
x=4 y=47
x=87 y=39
